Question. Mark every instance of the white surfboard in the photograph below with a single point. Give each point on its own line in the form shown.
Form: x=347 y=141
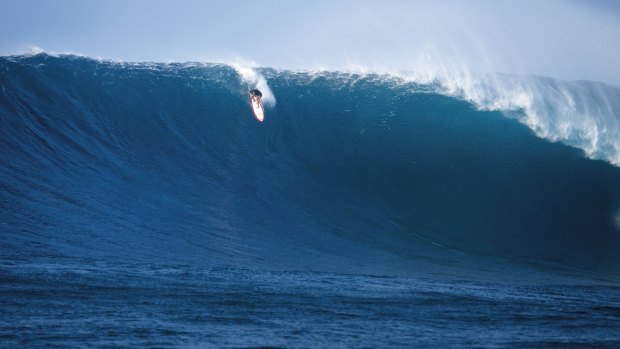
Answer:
x=257 y=108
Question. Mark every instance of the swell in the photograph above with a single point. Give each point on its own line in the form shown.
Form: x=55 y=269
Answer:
x=164 y=163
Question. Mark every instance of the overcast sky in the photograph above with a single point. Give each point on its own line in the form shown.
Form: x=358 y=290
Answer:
x=567 y=39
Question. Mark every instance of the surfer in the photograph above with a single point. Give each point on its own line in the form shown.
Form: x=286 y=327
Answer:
x=256 y=95
x=257 y=107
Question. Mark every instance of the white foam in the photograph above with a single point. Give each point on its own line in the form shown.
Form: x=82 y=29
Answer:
x=34 y=50
x=254 y=79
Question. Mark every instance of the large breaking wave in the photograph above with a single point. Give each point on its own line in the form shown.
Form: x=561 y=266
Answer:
x=350 y=172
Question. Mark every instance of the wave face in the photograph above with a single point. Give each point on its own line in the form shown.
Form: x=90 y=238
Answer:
x=164 y=163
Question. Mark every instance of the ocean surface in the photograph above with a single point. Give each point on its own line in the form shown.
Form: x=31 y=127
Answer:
x=142 y=205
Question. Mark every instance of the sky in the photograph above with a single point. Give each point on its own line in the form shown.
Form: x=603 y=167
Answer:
x=565 y=39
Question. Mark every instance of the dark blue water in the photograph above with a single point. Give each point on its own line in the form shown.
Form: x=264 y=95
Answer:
x=142 y=205
x=96 y=305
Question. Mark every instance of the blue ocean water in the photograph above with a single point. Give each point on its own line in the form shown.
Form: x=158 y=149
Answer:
x=142 y=205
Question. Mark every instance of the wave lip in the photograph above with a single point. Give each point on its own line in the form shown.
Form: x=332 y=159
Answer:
x=582 y=114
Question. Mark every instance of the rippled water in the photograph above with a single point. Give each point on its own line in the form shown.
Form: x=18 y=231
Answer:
x=180 y=306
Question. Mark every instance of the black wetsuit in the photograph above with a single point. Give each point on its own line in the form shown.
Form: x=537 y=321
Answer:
x=255 y=92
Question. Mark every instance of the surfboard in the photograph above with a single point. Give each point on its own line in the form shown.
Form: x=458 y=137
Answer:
x=257 y=108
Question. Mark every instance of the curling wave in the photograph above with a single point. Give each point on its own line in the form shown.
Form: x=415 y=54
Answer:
x=164 y=162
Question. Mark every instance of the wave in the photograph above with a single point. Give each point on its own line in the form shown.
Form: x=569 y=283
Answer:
x=373 y=172
x=582 y=114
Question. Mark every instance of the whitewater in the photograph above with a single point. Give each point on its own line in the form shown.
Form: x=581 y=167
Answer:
x=141 y=204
